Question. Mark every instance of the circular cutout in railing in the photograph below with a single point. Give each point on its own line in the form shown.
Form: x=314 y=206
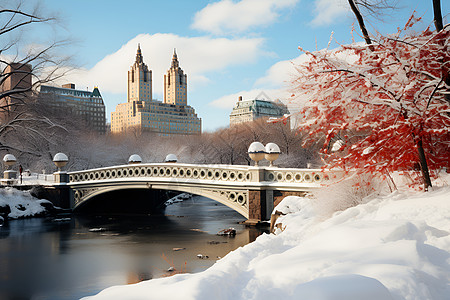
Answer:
x=308 y=177
x=241 y=200
x=288 y=176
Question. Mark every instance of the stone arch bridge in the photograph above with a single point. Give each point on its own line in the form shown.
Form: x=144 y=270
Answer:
x=251 y=191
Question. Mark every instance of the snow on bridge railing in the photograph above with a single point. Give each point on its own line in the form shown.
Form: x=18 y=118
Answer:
x=227 y=173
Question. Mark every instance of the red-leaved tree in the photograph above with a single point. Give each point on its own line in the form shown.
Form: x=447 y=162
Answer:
x=382 y=108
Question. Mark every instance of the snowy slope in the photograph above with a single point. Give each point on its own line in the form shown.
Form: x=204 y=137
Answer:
x=394 y=247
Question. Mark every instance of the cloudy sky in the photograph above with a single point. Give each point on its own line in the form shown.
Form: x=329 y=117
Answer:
x=227 y=48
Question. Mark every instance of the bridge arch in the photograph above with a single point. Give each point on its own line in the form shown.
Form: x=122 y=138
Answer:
x=236 y=199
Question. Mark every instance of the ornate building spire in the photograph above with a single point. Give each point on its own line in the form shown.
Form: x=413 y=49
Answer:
x=175 y=64
x=175 y=83
x=139 y=80
x=139 y=58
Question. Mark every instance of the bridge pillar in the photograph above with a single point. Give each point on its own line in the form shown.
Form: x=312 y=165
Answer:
x=260 y=206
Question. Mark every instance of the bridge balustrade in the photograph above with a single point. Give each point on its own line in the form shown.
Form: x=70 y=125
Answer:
x=224 y=173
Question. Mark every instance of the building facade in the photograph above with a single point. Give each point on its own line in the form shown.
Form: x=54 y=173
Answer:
x=89 y=106
x=141 y=112
x=260 y=107
x=15 y=78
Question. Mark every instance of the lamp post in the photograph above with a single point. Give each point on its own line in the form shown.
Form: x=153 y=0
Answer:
x=134 y=159
x=272 y=153
x=9 y=160
x=60 y=160
x=171 y=158
x=256 y=151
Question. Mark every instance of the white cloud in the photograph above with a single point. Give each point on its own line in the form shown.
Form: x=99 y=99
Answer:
x=328 y=11
x=275 y=83
x=281 y=74
x=197 y=55
x=227 y=16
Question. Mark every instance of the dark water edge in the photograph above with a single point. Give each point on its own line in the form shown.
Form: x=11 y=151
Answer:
x=44 y=258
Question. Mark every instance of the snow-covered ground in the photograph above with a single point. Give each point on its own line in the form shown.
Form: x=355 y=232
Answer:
x=392 y=247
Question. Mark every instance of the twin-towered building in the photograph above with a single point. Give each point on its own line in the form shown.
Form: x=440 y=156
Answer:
x=142 y=112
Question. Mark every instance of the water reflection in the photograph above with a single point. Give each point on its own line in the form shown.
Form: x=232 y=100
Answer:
x=69 y=259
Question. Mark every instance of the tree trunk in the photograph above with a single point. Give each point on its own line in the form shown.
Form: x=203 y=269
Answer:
x=423 y=165
x=360 y=22
x=437 y=15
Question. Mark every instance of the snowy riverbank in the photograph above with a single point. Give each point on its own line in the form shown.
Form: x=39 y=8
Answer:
x=16 y=204
x=392 y=247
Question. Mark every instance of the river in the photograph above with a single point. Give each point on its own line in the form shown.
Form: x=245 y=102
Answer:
x=62 y=259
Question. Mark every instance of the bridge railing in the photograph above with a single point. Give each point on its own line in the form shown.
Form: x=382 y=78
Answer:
x=223 y=173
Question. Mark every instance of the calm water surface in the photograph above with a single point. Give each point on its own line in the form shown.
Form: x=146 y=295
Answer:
x=58 y=260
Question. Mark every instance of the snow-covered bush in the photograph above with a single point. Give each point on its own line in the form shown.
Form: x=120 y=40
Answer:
x=350 y=192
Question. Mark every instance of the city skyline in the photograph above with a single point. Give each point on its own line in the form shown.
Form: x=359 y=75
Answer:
x=228 y=48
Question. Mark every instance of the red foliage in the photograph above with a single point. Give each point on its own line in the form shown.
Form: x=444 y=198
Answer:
x=378 y=104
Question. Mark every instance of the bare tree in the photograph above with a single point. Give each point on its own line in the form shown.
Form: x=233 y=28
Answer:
x=25 y=66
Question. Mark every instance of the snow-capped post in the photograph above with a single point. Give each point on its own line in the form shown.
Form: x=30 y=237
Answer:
x=9 y=160
x=60 y=160
x=171 y=158
x=134 y=159
x=272 y=152
x=256 y=151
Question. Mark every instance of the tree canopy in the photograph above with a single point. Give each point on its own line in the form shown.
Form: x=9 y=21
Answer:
x=382 y=105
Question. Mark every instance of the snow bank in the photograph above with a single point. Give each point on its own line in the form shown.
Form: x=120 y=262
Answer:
x=21 y=203
x=393 y=247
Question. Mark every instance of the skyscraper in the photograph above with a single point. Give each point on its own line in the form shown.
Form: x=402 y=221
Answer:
x=139 y=80
x=175 y=84
x=141 y=112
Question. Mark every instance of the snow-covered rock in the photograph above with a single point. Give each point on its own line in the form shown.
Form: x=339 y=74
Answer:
x=19 y=204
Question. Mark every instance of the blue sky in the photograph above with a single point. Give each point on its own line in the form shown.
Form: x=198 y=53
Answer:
x=227 y=48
